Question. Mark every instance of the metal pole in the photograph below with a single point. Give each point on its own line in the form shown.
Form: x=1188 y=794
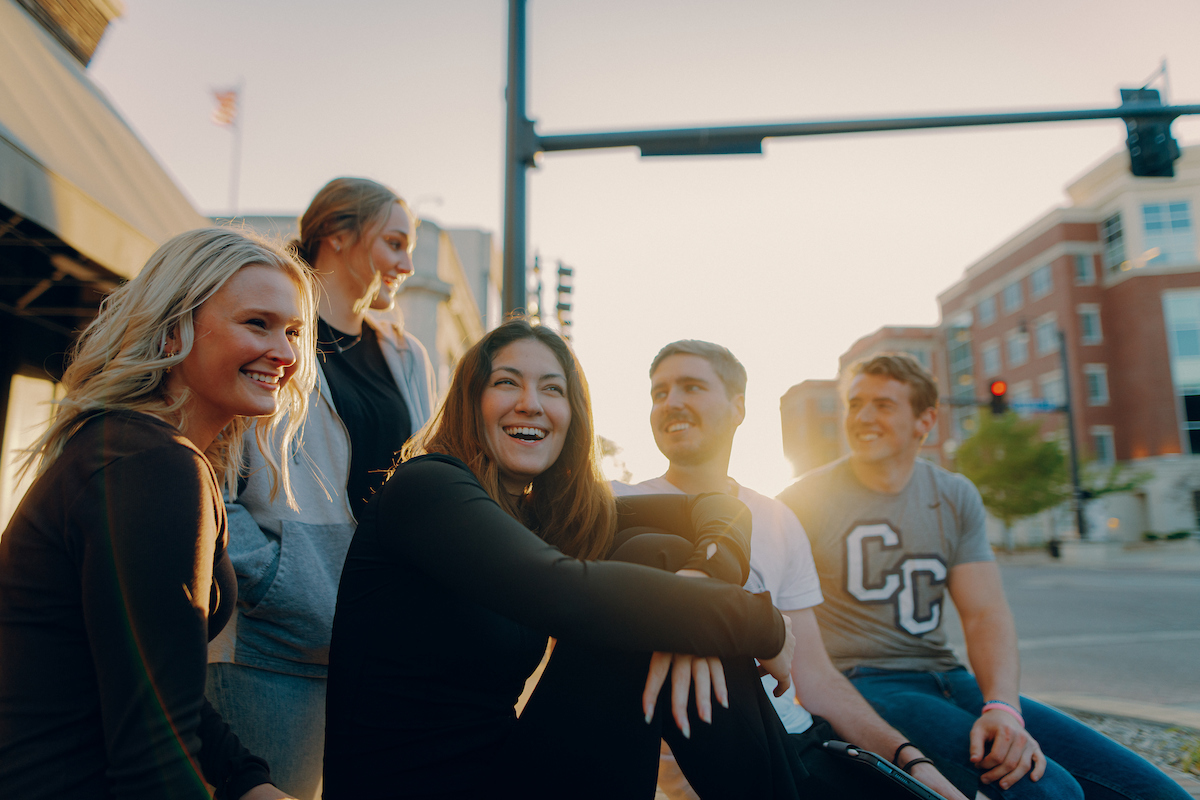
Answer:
x=1080 y=518
x=515 y=163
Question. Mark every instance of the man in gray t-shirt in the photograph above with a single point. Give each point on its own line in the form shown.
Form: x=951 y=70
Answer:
x=890 y=535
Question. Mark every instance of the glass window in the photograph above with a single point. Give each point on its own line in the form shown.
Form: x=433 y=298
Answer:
x=1085 y=274
x=829 y=430
x=1089 y=325
x=828 y=405
x=1102 y=444
x=987 y=310
x=1170 y=238
x=1191 y=421
x=1097 y=384
x=1012 y=296
x=1041 y=282
x=1046 y=335
x=1114 y=242
x=1052 y=388
x=990 y=356
x=1018 y=348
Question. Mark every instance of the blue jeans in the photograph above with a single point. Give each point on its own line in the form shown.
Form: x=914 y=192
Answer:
x=936 y=710
x=277 y=717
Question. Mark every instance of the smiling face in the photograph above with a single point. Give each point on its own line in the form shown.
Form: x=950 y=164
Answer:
x=691 y=414
x=880 y=424
x=372 y=267
x=525 y=412
x=243 y=353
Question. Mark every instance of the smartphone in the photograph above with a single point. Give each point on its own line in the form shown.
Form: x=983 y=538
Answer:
x=868 y=760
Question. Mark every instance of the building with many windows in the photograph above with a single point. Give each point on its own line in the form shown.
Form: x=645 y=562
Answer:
x=1096 y=303
x=1116 y=277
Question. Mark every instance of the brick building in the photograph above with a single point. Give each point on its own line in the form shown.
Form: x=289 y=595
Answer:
x=1117 y=272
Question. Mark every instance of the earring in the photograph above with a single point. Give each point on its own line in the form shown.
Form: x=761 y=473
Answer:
x=337 y=248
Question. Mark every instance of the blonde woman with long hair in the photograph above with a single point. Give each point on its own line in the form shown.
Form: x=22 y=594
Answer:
x=267 y=669
x=113 y=571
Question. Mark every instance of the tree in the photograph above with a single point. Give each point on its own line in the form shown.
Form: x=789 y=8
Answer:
x=609 y=450
x=1017 y=472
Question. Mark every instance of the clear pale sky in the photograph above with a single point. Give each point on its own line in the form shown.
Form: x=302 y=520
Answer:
x=786 y=258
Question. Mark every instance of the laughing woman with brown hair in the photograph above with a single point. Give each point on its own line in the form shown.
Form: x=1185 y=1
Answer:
x=483 y=543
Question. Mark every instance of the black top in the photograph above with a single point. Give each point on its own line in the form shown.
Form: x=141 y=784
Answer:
x=445 y=604
x=113 y=579
x=369 y=402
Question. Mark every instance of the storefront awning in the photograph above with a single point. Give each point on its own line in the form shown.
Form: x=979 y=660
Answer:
x=70 y=163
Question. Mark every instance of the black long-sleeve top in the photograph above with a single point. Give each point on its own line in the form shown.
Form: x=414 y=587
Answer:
x=445 y=605
x=113 y=578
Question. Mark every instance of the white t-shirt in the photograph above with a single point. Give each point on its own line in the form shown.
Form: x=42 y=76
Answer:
x=781 y=563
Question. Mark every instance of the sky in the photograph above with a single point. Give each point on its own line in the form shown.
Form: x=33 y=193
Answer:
x=786 y=258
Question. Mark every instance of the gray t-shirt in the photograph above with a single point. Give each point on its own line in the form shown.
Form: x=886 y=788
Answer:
x=884 y=559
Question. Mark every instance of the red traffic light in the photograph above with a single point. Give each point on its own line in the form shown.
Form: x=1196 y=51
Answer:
x=998 y=388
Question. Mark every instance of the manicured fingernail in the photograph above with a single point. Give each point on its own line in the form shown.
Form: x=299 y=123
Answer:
x=687 y=731
x=724 y=701
x=706 y=716
x=649 y=716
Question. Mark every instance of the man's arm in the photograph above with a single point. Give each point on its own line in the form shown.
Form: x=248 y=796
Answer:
x=824 y=691
x=991 y=638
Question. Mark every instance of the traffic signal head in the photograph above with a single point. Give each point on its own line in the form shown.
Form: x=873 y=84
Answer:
x=1152 y=149
x=998 y=390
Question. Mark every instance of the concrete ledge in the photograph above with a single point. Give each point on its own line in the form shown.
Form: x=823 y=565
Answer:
x=1112 y=706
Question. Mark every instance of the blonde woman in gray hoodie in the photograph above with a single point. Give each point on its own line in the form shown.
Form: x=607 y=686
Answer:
x=267 y=671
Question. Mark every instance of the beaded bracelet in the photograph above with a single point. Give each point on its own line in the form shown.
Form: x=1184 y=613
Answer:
x=992 y=705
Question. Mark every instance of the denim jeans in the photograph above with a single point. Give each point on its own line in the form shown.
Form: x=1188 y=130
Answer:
x=277 y=717
x=936 y=710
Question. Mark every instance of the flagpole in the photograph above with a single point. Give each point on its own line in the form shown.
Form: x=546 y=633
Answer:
x=235 y=161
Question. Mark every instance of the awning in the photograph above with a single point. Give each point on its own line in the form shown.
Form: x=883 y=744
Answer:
x=70 y=163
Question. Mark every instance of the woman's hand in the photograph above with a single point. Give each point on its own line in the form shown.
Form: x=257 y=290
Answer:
x=705 y=672
x=779 y=667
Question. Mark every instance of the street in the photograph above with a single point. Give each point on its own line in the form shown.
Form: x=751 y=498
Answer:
x=1123 y=633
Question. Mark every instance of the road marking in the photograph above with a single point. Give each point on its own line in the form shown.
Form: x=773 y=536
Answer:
x=1094 y=639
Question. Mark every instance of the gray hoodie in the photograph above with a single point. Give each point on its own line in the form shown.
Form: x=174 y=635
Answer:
x=289 y=563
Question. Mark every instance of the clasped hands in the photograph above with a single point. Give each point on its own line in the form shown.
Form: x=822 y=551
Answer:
x=708 y=676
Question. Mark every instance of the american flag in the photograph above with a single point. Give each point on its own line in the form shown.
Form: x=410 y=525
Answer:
x=226 y=110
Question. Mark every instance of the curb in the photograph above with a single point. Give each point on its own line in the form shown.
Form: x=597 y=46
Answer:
x=1112 y=706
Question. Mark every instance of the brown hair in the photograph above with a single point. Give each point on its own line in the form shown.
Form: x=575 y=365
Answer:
x=724 y=363
x=922 y=386
x=570 y=505
x=344 y=205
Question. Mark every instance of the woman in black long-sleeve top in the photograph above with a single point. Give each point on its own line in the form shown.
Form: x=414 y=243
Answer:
x=468 y=559
x=113 y=571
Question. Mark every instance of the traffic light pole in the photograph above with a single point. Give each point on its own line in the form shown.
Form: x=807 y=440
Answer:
x=524 y=143
x=1076 y=488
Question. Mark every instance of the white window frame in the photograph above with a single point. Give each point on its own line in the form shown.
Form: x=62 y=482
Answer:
x=1012 y=338
x=1034 y=293
x=1100 y=371
x=1038 y=325
x=1104 y=432
x=991 y=346
x=1089 y=279
x=987 y=319
x=1020 y=295
x=1090 y=309
x=1052 y=378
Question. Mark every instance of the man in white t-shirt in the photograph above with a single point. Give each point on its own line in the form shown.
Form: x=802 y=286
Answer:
x=698 y=400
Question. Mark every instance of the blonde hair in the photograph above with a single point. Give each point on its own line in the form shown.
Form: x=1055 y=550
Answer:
x=570 y=505
x=120 y=361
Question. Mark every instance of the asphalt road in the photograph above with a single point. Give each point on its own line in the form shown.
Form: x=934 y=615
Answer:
x=1126 y=633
